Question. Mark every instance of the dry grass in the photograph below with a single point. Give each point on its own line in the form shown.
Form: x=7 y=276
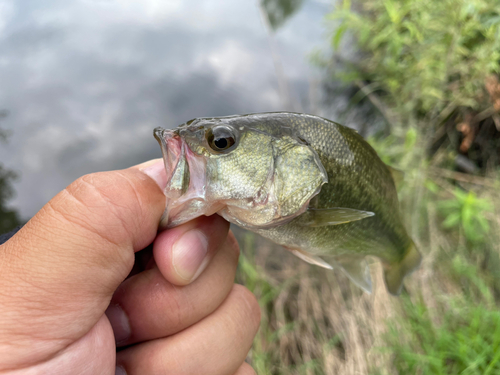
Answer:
x=325 y=324
x=316 y=321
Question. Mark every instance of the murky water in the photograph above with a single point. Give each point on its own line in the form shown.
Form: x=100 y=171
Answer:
x=85 y=82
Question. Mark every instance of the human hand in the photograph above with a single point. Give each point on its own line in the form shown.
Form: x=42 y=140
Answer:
x=65 y=295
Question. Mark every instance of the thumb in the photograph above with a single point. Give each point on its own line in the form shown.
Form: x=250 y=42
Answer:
x=58 y=273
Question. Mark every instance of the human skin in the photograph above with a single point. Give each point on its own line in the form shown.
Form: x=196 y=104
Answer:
x=78 y=296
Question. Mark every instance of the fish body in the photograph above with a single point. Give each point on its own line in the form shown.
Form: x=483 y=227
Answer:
x=307 y=183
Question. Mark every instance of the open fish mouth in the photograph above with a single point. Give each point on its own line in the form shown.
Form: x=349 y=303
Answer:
x=186 y=180
x=173 y=149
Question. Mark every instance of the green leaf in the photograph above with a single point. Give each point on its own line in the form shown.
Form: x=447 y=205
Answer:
x=460 y=194
x=483 y=223
x=414 y=32
x=433 y=188
x=392 y=11
x=411 y=138
x=452 y=220
x=466 y=216
x=337 y=37
x=449 y=204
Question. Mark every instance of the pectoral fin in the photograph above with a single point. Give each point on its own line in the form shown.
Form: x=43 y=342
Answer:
x=319 y=217
x=357 y=270
x=309 y=258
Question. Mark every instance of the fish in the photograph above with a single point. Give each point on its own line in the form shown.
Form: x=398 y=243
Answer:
x=309 y=184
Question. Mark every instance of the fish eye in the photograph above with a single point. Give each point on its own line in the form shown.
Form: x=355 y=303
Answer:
x=221 y=138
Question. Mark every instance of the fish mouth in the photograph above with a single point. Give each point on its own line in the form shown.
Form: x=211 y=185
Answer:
x=185 y=188
x=173 y=149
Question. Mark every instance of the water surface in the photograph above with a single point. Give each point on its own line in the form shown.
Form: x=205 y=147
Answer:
x=85 y=82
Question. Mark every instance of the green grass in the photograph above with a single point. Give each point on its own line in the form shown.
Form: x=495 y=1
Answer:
x=466 y=340
x=447 y=321
x=425 y=66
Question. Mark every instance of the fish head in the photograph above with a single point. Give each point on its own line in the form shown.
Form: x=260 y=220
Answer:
x=254 y=175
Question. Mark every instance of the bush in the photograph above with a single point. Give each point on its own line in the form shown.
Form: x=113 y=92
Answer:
x=426 y=55
x=431 y=63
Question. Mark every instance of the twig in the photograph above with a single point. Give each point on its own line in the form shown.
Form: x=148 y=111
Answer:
x=488 y=112
x=463 y=177
x=283 y=85
x=443 y=115
x=386 y=112
x=440 y=118
x=496 y=120
x=389 y=116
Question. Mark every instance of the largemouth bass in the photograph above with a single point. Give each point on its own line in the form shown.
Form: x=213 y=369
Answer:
x=309 y=184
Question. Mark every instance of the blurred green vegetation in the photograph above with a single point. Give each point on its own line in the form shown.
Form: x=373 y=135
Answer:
x=9 y=218
x=460 y=335
x=428 y=64
x=279 y=11
x=466 y=211
x=431 y=68
x=254 y=278
x=426 y=56
x=466 y=341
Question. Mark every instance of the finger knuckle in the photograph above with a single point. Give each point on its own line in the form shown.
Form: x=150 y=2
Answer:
x=95 y=204
x=108 y=205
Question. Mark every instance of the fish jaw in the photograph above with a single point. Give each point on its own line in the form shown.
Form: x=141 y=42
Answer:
x=186 y=175
x=174 y=158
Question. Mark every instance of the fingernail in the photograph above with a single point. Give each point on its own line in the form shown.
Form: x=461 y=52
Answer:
x=189 y=254
x=119 y=323
x=156 y=171
x=120 y=371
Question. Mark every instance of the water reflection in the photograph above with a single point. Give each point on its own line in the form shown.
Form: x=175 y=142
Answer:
x=85 y=82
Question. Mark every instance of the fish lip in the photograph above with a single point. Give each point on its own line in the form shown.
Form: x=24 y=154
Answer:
x=171 y=146
x=159 y=134
x=180 y=160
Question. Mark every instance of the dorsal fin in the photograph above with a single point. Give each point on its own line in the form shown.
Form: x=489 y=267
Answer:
x=398 y=176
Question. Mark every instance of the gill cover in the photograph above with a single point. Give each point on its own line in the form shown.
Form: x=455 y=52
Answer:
x=294 y=176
